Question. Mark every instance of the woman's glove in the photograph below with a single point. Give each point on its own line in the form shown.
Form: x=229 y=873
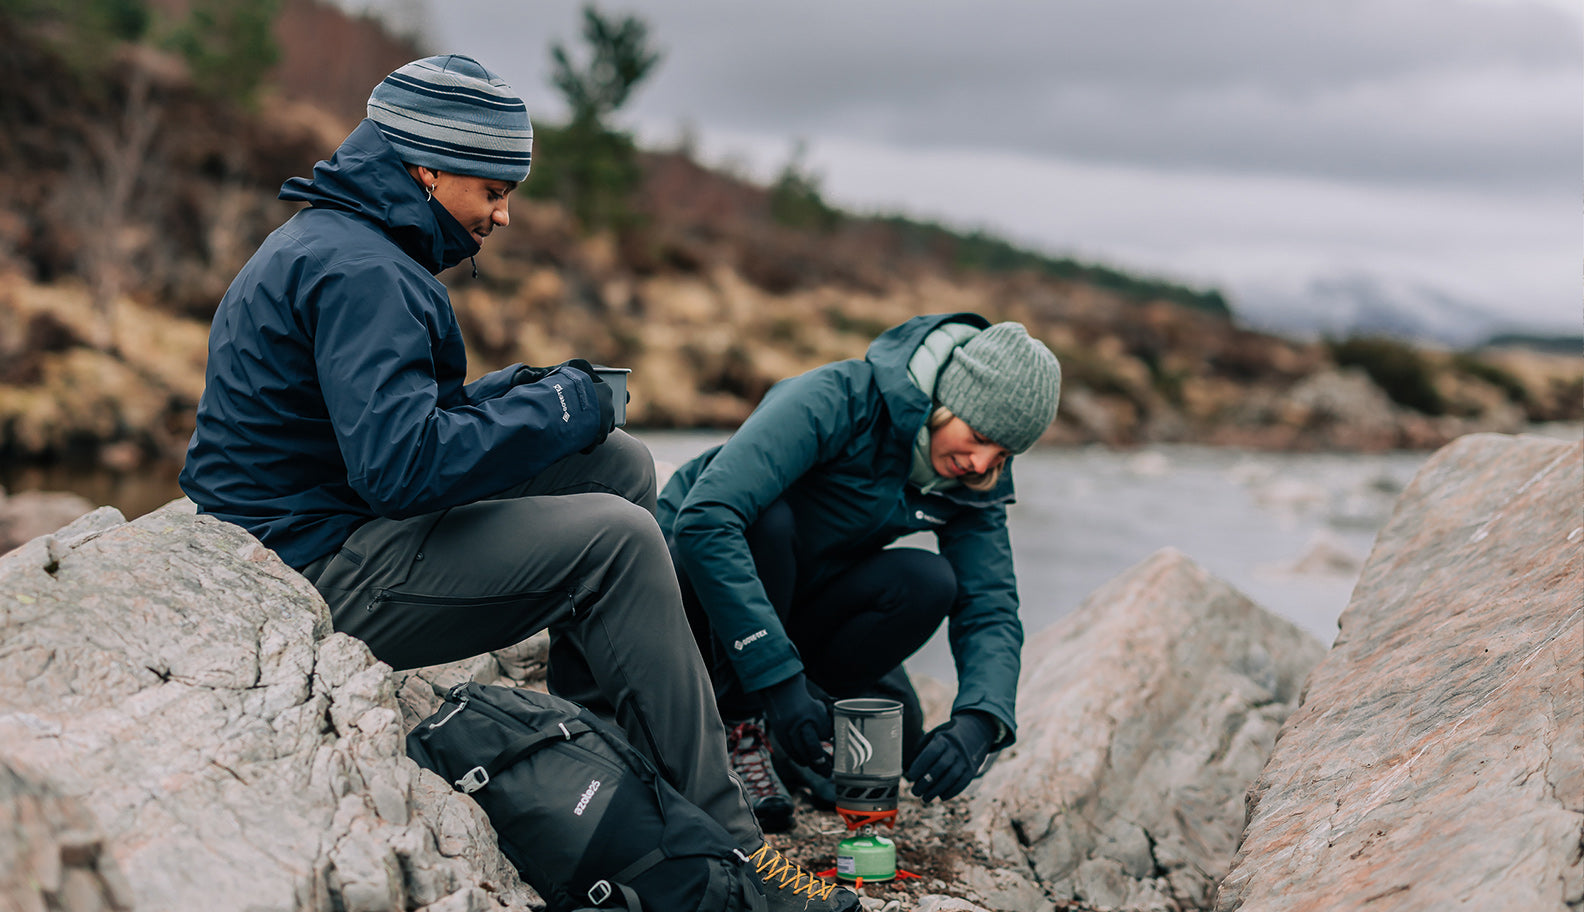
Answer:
x=799 y=722
x=951 y=755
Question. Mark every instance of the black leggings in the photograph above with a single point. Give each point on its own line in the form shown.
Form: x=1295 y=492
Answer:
x=853 y=632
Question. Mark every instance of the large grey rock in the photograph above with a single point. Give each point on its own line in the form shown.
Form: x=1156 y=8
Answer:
x=52 y=852
x=933 y=902
x=1143 y=718
x=1437 y=761
x=176 y=687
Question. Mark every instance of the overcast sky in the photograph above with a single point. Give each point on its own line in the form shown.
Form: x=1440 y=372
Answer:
x=1300 y=155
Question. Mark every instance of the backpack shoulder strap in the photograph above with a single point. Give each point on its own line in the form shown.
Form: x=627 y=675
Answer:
x=641 y=864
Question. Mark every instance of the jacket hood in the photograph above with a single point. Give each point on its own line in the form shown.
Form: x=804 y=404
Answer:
x=889 y=354
x=910 y=406
x=366 y=178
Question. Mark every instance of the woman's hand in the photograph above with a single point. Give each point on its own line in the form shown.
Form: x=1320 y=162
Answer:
x=799 y=722
x=951 y=755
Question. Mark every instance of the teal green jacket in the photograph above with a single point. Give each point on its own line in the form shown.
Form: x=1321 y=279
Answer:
x=836 y=444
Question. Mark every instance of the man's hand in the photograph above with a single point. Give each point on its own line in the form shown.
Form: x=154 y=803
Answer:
x=607 y=408
x=526 y=374
x=602 y=392
x=951 y=755
x=799 y=722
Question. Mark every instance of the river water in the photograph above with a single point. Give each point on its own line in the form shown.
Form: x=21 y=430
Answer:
x=1291 y=531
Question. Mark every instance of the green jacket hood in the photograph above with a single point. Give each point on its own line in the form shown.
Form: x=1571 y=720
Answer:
x=909 y=406
x=889 y=354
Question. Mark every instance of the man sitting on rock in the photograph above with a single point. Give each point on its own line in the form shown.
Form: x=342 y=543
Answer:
x=443 y=519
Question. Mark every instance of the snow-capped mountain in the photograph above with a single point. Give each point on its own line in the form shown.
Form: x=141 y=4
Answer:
x=1367 y=304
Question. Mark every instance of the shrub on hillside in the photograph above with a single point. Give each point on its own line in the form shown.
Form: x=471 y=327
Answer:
x=1496 y=376
x=588 y=166
x=796 y=201
x=1398 y=369
x=229 y=47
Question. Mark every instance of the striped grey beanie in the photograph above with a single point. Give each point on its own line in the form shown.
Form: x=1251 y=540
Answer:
x=1004 y=383
x=451 y=114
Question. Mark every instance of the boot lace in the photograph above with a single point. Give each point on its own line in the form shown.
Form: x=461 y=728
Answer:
x=775 y=869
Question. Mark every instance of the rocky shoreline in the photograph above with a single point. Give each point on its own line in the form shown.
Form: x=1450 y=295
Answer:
x=180 y=729
x=705 y=346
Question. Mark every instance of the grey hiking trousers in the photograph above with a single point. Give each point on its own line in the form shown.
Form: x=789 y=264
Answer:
x=575 y=550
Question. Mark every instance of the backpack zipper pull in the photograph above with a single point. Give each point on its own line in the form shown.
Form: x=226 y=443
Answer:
x=461 y=705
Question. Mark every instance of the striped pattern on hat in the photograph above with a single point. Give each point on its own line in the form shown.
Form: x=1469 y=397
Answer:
x=449 y=113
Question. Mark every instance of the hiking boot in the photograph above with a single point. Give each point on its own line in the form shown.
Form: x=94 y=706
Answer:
x=788 y=887
x=749 y=750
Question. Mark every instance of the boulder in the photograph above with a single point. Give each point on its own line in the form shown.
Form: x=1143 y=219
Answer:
x=52 y=852
x=171 y=693
x=1437 y=761
x=1143 y=718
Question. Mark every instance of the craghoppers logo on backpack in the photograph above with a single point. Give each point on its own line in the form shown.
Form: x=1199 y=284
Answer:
x=749 y=639
x=588 y=794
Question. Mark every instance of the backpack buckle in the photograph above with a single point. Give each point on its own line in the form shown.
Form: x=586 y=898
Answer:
x=473 y=780
x=600 y=892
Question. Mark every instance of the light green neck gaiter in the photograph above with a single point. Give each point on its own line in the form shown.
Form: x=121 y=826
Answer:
x=923 y=369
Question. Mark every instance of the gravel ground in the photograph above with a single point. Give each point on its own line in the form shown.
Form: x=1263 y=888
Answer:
x=931 y=842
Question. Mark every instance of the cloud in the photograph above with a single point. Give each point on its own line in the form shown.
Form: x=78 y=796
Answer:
x=1433 y=92
x=1384 y=90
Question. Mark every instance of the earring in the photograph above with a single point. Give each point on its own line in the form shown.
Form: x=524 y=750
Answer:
x=429 y=194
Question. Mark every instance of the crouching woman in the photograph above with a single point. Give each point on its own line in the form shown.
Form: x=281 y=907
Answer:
x=780 y=539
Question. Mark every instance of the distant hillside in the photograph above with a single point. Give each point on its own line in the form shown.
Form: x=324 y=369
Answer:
x=1556 y=345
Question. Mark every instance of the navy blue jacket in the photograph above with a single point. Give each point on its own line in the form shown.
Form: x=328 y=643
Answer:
x=334 y=391
x=836 y=445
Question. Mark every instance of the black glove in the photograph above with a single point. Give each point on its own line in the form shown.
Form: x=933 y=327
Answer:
x=951 y=756
x=607 y=418
x=602 y=391
x=526 y=374
x=799 y=722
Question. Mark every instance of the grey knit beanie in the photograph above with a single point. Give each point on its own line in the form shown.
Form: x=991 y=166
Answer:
x=451 y=114
x=1004 y=383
